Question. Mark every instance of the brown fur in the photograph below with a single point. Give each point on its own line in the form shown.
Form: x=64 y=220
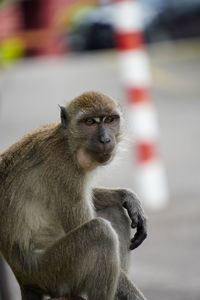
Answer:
x=44 y=195
x=49 y=231
x=92 y=102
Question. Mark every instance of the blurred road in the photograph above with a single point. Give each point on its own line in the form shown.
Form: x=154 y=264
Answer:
x=167 y=265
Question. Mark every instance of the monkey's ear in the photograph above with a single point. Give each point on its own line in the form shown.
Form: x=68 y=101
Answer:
x=63 y=116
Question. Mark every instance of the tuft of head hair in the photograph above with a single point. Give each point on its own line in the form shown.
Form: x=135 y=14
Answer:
x=93 y=103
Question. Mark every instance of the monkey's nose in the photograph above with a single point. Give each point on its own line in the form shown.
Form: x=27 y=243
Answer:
x=104 y=139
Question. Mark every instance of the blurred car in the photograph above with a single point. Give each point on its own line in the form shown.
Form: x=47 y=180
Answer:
x=175 y=22
x=162 y=21
x=93 y=31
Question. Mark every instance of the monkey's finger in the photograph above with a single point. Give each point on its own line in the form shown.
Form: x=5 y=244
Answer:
x=138 y=238
x=140 y=234
x=135 y=245
x=134 y=218
x=133 y=215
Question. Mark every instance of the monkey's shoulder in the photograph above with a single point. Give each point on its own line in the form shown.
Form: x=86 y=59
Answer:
x=30 y=145
x=39 y=134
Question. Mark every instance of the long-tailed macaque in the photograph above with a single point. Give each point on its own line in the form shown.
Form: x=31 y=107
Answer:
x=53 y=228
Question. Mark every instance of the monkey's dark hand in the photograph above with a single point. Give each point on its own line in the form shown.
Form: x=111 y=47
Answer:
x=138 y=219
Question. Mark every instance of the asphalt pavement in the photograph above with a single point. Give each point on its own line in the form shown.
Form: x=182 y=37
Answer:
x=167 y=265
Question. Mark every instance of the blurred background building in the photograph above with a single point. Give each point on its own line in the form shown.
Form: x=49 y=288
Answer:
x=34 y=27
x=53 y=50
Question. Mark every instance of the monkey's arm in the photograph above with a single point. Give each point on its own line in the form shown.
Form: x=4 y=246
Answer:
x=103 y=197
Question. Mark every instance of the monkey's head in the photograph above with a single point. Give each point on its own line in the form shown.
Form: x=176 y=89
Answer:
x=91 y=123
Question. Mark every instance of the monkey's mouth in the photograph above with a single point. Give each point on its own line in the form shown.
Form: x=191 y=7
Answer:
x=101 y=157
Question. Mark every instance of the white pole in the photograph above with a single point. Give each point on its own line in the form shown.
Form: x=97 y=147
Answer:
x=136 y=80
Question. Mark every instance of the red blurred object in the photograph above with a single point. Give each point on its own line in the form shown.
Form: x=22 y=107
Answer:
x=138 y=94
x=44 y=36
x=36 y=23
x=11 y=20
x=146 y=152
x=129 y=40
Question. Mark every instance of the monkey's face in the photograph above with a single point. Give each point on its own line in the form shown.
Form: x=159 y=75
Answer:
x=95 y=128
x=101 y=136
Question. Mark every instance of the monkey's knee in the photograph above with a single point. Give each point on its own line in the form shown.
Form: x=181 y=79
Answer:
x=107 y=263
x=105 y=234
x=107 y=245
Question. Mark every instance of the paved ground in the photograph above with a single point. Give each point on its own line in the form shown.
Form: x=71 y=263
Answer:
x=167 y=265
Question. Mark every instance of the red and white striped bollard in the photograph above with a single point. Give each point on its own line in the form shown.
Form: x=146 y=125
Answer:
x=136 y=79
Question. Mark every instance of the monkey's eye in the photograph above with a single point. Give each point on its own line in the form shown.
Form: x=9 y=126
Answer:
x=89 y=121
x=109 y=119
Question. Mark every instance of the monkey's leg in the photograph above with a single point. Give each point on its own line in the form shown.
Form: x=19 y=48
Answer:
x=85 y=261
x=121 y=223
x=126 y=290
